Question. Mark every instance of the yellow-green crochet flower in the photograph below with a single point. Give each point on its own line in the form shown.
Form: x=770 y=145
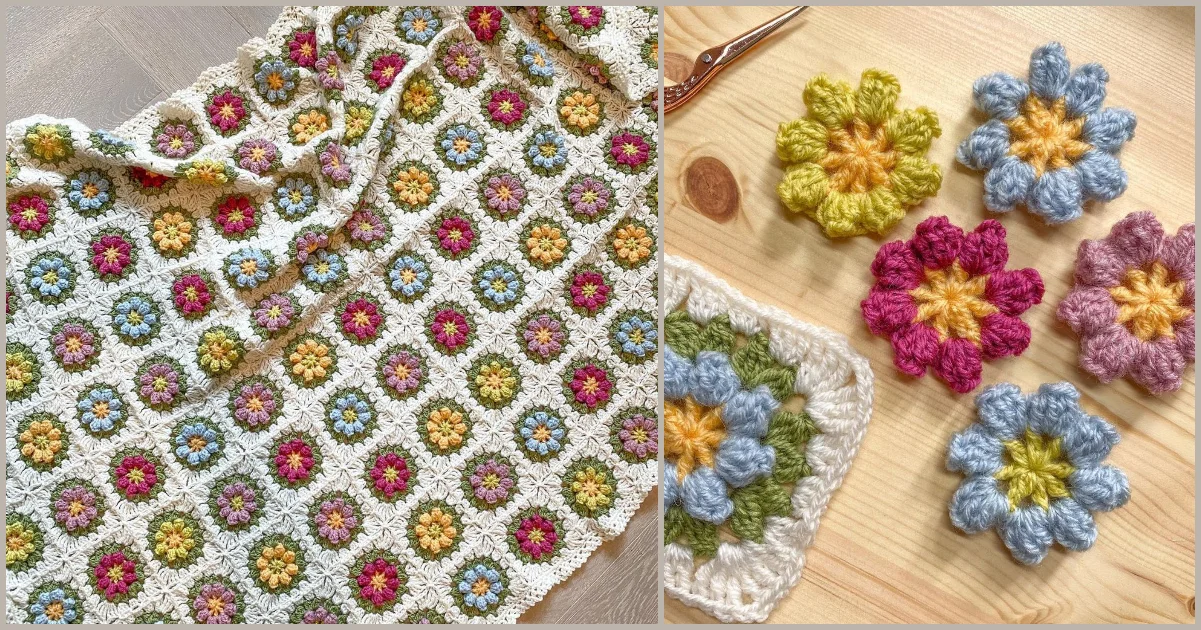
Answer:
x=856 y=163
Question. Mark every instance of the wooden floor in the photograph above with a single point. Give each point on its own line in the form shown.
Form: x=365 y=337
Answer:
x=886 y=550
x=101 y=65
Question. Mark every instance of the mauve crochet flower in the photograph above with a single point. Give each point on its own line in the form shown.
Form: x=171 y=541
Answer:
x=237 y=504
x=491 y=482
x=946 y=301
x=1132 y=304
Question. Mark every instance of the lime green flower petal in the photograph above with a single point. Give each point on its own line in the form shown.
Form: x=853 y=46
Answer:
x=804 y=187
x=876 y=98
x=841 y=212
x=915 y=179
x=832 y=103
x=801 y=140
x=912 y=130
x=884 y=212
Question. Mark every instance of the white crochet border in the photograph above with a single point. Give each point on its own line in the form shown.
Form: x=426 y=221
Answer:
x=744 y=581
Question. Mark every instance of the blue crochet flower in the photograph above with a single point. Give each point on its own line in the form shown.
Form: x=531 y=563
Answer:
x=721 y=427
x=135 y=317
x=248 y=268
x=323 y=267
x=489 y=578
x=89 y=191
x=462 y=145
x=536 y=61
x=347 y=33
x=53 y=607
x=110 y=143
x=542 y=433
x=295 y=197
x=50 y=277
x=500 y=285
x=275 y=80
x=548 y=150
x=1048 y=144
x=1034 y=472
x=636 y=336
x=408 y=276
x=419 y=25
x=350 y=414
x=196 y=443
x=100 y=410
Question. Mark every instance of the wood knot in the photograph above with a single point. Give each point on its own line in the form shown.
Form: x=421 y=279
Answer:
x=1192 y=606
x=710 y=189
x=676 y=67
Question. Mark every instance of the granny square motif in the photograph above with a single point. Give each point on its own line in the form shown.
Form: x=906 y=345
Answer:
x=762 y=417
x=357 y=328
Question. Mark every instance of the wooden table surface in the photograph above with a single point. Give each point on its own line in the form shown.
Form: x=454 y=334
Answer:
x=886 y=550
x=101 y=65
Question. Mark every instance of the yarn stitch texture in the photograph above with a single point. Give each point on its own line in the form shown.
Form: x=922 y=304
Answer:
x=285 y=346
x=946 y=302
x=855 y=163
x=1033 y=467
x=1048 y=144
x=1132 y=303
x=764 y=414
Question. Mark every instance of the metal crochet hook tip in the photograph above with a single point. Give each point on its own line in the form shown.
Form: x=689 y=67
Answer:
x=713 y=60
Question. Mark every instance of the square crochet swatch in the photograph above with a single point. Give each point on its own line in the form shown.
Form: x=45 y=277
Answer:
x=762 y=416
x=357 y=328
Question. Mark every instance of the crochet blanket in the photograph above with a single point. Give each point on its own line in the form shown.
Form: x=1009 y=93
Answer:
x=357 y=328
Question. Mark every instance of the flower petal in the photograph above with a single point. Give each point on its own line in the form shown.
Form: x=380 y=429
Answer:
x=914 y=179
x=977 y=505
x=975 y=452
x=1085 y=90
x=1180 y=252
x=1000 y=95
x=912 y=130
x=895 y=267
x=1002 y=410
x=1101 y=175
x=1013 y=291
x=1138 y=238
x=1003 y=335
x=1053 y=408
x=704 y=496
x=914 y=348
x=1007 y=184
x=679 y=375
x=671 y=485
x=1109 y=128
x=1186 y=337
x=984 y=249
x=1108 y=353
x=1049 y=69
x=1087 y=440
x=936 y=242
x=1087 y=310
x=1100 y=489
x=876 y=98
x=887 y=311
x=959 y=364
x=1099 y=264
x=748 y=412
x=741 y=460
x=1158 y=366
x=716 y=381
x=1072 y=526
x=840 y=213
x=986 y=145
x=1027 y=533
x=832 y=103
x=804 y=187
x=801 y=140
x=1057 y=196
x=884 y=211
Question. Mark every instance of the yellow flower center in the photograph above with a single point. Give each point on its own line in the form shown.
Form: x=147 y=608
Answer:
x=1045 y=137
x=1151 y=303
x=952 y=302
x=1036 y=470
x=90 y=190
x=859 y=159
x=692 y=434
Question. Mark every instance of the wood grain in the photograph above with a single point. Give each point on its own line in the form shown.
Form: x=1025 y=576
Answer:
x=101 y=65
x=886 y=550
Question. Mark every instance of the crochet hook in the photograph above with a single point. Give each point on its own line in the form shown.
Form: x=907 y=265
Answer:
x=713 y=60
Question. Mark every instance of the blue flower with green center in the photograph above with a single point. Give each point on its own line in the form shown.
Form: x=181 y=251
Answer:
x=543 y=433
x=500 y=285
x=408 y=276
x=275 y=80
x=248 y=268
x=462 y=145
x=347 y=33
x=196 y=443
x=419 y=25
x=100 y=410
x=636 y=336
x=548 y=150
x=323 y=267
x=350 y=414
x=536 y=61
x=50 y=277
x=481 y=587
x=53 y=607
x=135 y=318
x=89 y=191
x=295 y=197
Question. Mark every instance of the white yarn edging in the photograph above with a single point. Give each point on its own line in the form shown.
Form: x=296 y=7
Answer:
x=745 y=581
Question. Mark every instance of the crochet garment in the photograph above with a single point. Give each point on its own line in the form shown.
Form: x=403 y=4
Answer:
x=762 y=416
x=357 y=328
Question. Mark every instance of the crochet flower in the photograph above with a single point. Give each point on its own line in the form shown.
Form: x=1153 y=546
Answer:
x=485 y=22
x=54 y=606
x=75 y=508
x=100 y=409
x=275 y=80
x=491 y=482
x=390 y=475
x=856 y=163
x=294 y=461
x=1132 y=304
x=542 y=433
x=419 y=25
x=590 y=386
x=296 y=197
x=408 y=276
x=350 y=414
x=504 y=194
x=236 y=504
x=1048 y=145
x=196 y=443
x=946 y=301
x=134 y=318
x=1034 y=471
x=536 y=536
x=335 y=521
x=248 y=268
x=378 y=582
x=499 y=284
x=481 y=587
x=462 y=145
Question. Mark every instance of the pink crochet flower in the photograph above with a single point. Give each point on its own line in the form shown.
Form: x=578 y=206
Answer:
x=1132 y=304
x=946 y=301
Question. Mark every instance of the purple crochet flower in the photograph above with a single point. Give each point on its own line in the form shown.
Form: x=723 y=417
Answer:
x=237 y=504
x=254 y=405
x=402 y=372
x=336 y=521
x=504 y=194
x=328 y=74
x=257 y=155
x=75 y=508
x=176 y=141
x=491 y=482
x=160 y=384
x=274 y=312
x=589 y=197
x=544 y=336
x=333 y=164
x=639 y=436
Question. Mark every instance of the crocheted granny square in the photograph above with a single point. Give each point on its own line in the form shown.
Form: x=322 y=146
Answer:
x=763 y=415
x=357 y=328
